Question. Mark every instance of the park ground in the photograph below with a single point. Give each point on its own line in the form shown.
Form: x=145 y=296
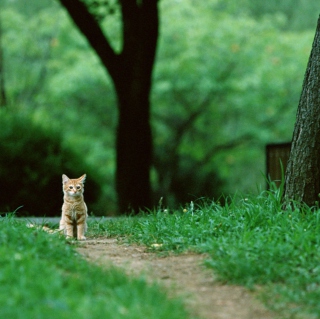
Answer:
x=182 y=275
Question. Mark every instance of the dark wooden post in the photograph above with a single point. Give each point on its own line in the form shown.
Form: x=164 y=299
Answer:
x=275 y=155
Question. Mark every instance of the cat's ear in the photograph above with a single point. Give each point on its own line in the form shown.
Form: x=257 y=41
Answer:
x=65 y=178
x=82 y=179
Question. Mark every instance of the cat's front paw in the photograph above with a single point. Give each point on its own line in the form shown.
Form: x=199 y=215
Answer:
x=82 y=238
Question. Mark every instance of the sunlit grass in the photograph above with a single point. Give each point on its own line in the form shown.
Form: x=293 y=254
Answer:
x=251 y=241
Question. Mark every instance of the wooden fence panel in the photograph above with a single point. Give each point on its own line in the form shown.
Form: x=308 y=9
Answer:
x=274 y=154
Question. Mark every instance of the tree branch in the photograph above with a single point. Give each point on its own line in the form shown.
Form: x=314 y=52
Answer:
x=90 y=28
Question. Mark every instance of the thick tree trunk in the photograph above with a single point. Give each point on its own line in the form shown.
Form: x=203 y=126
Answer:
x=134 y=151
x=302 y=182
x=3 y=99
x=133 y=86
x=131 y=72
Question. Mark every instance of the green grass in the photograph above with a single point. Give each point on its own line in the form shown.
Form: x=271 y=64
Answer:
x=251 y=242
x=42 y=276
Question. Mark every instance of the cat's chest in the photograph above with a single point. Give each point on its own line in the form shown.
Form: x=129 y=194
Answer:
x=74 y=208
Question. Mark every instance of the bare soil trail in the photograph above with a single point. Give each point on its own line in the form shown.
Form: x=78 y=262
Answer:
x=181 y=275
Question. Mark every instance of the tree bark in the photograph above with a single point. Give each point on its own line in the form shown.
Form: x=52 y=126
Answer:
x=131 y=72
x=302 y=181
x=3 y=98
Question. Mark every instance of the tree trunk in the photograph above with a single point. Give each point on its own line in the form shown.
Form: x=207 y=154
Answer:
x=302 y=182
x=3 y=99
x=134 y=151
x=133 y=86
x=131 y=72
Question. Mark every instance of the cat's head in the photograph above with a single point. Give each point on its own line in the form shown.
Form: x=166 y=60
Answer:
x=73 y=187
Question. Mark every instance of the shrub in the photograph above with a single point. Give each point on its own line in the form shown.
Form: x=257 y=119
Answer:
x=32 y=160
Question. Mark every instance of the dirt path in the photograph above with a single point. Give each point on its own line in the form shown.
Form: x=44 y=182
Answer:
x=182 y=275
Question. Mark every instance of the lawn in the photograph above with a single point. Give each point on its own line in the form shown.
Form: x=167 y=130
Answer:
x=251 y=241
x=42 y=276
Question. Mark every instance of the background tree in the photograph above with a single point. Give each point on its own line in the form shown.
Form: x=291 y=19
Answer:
x=131 y=72
x=302 y=182
x=222 y=88
x=3 y=99
x=221 y=95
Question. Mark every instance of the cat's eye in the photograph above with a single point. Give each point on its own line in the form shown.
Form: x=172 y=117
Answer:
x=78 y=187
x=70 y=187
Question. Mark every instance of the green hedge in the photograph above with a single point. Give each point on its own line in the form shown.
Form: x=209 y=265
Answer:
x=32 y=160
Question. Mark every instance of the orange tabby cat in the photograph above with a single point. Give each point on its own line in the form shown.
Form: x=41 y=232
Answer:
x=74 y=209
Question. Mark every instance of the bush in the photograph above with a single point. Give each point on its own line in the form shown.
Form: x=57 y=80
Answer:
x=32 y=160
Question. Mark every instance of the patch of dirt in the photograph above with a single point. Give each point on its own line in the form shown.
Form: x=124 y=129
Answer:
x=182 y=275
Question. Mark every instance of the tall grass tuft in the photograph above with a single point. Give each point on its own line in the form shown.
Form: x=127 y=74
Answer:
x=251 y=240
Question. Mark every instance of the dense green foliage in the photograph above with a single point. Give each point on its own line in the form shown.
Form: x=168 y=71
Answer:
x=227 y=81
x=294 y=15
x=42 y=277
x=31 y=165
x=225 y=85
x=251 y=241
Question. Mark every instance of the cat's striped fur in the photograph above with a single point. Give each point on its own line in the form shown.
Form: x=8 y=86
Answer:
x=74 y=210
